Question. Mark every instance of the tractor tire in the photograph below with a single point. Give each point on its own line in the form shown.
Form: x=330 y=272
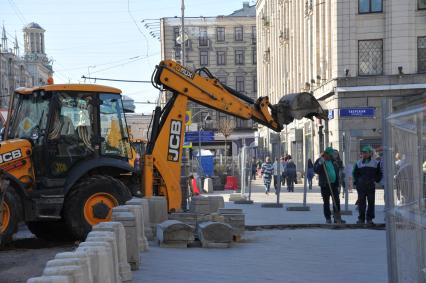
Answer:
x=91 y=201
x=50 y=230
x=12 y=215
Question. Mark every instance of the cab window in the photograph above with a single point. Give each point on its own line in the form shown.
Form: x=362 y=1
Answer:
x=115 y=138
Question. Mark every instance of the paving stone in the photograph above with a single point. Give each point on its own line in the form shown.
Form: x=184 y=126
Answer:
x=75 y=273
x=109 y=238
x=86 y=273
x=215 y=202
x=216 y=217
x=118 y=229
x=149 y=233
x=101 y=258
x=173 y=233
x=85 y=261
x=236 y=219
x=230 y=211
x=199 y=205
x=128 y=220
x=158 y=211
x=215 y=234
x=143 y=241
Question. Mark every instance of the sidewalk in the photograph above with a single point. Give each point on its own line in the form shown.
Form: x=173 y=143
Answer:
x=305 y=255
x=257 y=215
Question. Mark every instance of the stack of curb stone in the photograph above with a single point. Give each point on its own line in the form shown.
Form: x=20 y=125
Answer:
x=108 y=254
x=213 y=229
x=236 y=218
x=175 y=234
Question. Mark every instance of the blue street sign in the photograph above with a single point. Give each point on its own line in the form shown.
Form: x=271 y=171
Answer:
x=203 y=136
x=364 y=112
x=330 y=114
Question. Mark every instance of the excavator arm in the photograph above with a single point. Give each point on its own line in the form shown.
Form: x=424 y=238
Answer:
x=162 y=162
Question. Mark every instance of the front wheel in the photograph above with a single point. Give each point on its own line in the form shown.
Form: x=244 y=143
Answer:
x=11 y=215
x=91 y=201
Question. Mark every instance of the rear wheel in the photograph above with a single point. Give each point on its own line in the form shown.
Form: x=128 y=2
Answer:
x=12 y=214
x=91 y=201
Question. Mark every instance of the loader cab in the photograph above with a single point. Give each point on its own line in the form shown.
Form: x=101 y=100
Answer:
x=68 y=125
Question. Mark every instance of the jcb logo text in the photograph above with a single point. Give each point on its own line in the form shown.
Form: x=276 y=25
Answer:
x=11 y=155
x=174 y=140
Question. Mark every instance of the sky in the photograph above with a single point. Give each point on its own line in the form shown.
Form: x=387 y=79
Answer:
x=104 y=38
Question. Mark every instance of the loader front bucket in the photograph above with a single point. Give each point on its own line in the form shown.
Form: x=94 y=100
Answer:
x=297 y=106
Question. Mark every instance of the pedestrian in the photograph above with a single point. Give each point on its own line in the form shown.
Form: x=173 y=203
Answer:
x=310 y=173
x=365 y=173
x=194 y=188
x=277 y=173
x=339 y=162
x=284 y=165
x=291 y=174
x=259 y=167
x=328 y=173
x=253 y=168
x=267 y=170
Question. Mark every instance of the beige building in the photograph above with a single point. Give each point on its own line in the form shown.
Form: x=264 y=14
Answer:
x=138 y=125
x=226 y=45
x=35 y=56
x=32 y=69
x=350 y=54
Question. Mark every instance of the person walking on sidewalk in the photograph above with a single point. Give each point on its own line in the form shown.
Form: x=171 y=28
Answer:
x=284 y=165
x=310 y=173
x=253 y=168
x=276 y=164
x=328 y=172
x=366 y=172
x=291 y=174
x=267 y=170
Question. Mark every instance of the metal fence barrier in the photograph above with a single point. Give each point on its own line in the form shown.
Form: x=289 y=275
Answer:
x=404 y=144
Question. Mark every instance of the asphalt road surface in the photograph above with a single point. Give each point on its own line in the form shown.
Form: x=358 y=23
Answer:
x=26 y=256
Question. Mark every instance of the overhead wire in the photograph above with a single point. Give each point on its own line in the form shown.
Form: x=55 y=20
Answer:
x=137 y=26
x=18 y=12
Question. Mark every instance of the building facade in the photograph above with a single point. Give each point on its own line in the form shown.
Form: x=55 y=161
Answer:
x=29 y=70
x=138 y=125
x=350 y=55
x=226 y=45
x=35 y=56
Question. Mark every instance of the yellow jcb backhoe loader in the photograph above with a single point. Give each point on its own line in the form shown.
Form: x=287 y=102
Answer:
x=67 y=159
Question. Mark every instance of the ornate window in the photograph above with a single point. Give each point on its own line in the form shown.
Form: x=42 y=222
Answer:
x=204 y=57
x=239 y=34
x=239 y=57
x=221 y=57
x=370 y=57
x=220 y=34
x=239 y=84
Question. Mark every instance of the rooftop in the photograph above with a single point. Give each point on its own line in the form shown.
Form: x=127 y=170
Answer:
x=33 y=26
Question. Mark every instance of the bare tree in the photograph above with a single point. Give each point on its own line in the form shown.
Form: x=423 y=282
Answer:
x=226 y=127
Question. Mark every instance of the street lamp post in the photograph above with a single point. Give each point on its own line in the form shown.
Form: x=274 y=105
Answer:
x=182 y=45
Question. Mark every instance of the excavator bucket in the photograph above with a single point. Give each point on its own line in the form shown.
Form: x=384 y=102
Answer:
x=297 y=106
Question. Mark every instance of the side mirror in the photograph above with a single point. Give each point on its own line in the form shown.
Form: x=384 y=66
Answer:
x=35 y=134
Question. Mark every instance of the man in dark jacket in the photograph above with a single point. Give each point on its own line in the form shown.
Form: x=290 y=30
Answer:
x=366 y=172
x=328 y=172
